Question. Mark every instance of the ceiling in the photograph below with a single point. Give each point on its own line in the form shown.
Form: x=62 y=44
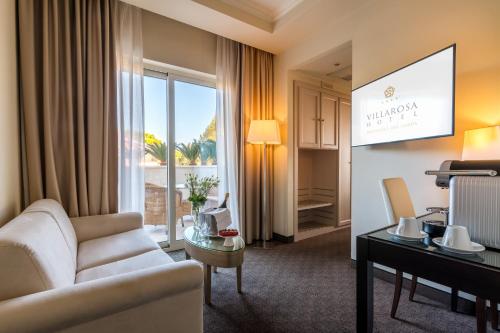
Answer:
x=271 y=25
x=272 y=10
x=334 y=63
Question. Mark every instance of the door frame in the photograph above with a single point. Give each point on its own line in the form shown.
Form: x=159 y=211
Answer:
x=171 y=74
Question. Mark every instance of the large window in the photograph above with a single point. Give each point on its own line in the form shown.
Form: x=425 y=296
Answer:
x=180 y=138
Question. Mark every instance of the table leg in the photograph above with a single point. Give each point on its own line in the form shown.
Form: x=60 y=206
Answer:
x=238 y=278
x=207 y=283
x=480 y=315
x=454 y=299
x=494 y=315
x=364 y=287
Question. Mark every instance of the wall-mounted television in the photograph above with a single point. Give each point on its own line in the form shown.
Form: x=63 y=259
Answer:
x=414 y=102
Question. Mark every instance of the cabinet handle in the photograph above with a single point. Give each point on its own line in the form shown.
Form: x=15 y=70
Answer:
x=322 y=120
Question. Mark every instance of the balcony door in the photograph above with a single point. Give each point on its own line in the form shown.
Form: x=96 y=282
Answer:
x=180 y=139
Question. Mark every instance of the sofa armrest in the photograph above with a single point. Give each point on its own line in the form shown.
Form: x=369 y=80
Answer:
x=62 y=308
x=91 y=227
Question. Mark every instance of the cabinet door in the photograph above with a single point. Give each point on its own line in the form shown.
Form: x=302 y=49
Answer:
x=344 y=193
x=329 y=122
x=308 y=109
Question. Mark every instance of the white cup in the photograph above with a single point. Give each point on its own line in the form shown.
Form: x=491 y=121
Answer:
x=408 y=227
x=457 y=237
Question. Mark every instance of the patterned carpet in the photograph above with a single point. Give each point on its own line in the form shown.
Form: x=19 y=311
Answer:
x=309 y=286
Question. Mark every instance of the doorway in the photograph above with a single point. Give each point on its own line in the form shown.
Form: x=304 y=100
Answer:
x=180 y=139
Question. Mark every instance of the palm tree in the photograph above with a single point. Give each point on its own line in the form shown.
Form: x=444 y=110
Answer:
x=158 y=150
x=190 y=151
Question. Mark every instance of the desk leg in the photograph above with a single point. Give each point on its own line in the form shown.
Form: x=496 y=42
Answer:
x=238 y=278
x=454 y=299
x=494 y=315
x=207 y=283
x=481 y=315
x=364 y=287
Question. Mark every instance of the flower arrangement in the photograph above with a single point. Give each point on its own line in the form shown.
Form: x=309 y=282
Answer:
x=198 y=192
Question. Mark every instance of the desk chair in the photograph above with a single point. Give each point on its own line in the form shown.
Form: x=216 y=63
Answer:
x=398 y=204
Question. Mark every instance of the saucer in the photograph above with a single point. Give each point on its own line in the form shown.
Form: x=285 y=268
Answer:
x=475 y=247
x=392 y=231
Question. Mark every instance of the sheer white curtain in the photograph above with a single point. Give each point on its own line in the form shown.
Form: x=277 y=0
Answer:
x=228 y=72
x=128 y=35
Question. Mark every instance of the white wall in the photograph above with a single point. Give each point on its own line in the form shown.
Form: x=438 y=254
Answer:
x=10 y=199
x=386 y=35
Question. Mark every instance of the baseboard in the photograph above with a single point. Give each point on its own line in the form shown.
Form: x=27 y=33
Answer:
x=283 y=239
x=464 y=305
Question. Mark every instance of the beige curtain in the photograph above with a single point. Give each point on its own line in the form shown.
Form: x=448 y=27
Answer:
x=257 y=91
x=245 y=91
x=68 y=103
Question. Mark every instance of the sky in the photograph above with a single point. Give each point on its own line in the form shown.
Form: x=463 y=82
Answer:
x=194 y=109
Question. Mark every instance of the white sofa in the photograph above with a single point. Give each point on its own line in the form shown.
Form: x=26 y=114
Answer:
x=92 y=274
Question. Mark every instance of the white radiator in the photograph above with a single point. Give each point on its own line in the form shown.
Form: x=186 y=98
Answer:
x=475 y=204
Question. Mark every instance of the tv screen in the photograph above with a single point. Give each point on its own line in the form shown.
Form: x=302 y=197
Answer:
x=414 y=102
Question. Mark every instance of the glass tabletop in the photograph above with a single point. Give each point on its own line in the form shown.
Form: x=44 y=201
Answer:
x=195 y=238
x=489 y=257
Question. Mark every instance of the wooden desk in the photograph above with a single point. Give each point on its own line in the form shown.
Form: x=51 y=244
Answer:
x=478 y=275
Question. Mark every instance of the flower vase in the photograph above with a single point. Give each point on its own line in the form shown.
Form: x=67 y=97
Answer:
x=195 y=213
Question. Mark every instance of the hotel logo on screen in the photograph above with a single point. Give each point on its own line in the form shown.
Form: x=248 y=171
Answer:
x=389 y=92
x=393 y=113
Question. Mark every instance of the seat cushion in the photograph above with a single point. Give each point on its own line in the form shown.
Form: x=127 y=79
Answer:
x=34 y=256
x=141 y=261
x=101 y=251
x=59 y=216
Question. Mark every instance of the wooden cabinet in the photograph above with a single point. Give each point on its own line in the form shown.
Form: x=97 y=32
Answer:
x=309 y=103
x=318 y=120
x=322 y=160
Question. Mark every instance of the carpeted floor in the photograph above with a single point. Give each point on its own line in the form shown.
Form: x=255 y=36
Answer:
x=309 y=286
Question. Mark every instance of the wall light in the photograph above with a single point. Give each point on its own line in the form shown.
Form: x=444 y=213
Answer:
x=482 y=144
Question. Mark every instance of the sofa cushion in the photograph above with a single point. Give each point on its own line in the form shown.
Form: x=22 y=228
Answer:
x=141 y=261
x=34 y=256
x=101 y=251
x=56 y=211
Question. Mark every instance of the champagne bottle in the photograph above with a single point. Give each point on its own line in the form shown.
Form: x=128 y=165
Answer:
x=224 y=203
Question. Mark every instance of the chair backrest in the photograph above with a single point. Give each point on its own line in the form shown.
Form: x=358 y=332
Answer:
x=36 y=252
x=397 y=199
x=178 y=199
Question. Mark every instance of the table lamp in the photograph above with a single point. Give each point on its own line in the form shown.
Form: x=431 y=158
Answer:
x=264 y=132
x=482 y=144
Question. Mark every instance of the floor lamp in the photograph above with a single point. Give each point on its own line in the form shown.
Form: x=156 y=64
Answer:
x=264 y=132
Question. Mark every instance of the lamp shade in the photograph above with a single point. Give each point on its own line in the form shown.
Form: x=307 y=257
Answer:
x=482 y=144
x=264 y=132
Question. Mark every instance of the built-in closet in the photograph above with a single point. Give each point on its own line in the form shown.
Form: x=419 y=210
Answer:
x=323 y=159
